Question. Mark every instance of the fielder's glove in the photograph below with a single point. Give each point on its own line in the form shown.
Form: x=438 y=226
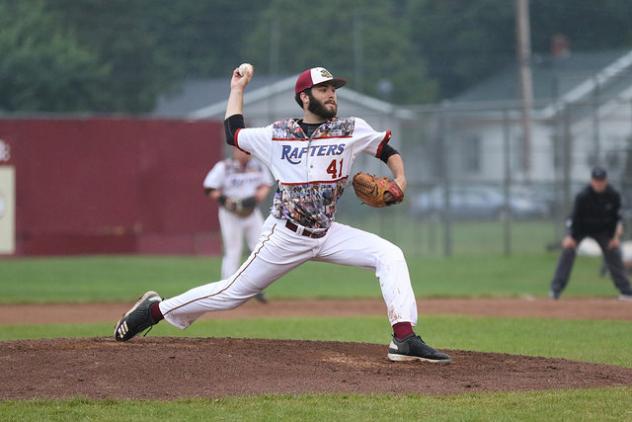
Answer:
x=375 y=191
x=240 y=207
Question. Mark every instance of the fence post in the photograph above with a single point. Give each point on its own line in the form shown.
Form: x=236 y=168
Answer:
x=506 y=184
x=445 y=182
x=595 y=122
x=567 y=157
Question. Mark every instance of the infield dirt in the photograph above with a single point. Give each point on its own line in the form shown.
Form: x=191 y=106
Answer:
x=65 y=313
x=168 y=368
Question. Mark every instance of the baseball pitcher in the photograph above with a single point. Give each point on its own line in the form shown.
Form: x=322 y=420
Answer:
x=311 y=159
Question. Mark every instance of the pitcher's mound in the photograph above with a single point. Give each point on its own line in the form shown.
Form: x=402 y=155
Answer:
x=167 y=368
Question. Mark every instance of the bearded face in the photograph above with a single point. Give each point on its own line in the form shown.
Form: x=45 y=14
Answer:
x=326 y=109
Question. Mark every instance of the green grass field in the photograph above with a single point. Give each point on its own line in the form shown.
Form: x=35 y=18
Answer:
x=574 y=405
x=120 y=278
x=427 y=236
x=105 y=279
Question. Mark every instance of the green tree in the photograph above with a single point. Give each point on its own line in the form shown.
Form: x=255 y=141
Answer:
x=203 y=37
x=123 y=34
x=462 y=41
x=589 y=25
x=120 y=55
x=153 y=45
x=42 y=67
x=366 y=40
x=467 y=41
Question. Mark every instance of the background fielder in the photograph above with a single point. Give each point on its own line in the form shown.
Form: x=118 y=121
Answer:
x=238 y=184
x=311 y=159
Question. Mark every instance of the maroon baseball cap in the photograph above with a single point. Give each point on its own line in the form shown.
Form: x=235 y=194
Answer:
x=315 y=76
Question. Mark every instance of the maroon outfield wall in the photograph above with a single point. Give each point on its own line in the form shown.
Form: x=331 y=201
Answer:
x=113 y=185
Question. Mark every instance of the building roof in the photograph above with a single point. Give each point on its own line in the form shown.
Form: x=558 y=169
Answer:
x=195 y=94
x=206 y=99
x=569 y=79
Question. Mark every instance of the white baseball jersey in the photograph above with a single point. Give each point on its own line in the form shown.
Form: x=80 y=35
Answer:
x=312 y=172
x=235 y=181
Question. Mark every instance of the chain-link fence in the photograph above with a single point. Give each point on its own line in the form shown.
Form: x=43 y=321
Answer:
x=476 y=185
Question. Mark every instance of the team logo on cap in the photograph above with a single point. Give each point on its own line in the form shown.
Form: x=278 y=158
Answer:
x=325 y=74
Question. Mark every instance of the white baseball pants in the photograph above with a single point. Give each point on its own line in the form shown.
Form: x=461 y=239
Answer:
x=279 y=250
x=234 y=229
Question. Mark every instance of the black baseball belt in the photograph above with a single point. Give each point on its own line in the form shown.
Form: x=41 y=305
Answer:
x=306 y=233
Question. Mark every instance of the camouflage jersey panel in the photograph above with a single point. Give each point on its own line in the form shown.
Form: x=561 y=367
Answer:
x=311 y=205
x=290 y=129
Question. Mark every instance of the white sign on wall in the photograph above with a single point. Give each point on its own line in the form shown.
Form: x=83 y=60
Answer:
x=5 y=151
x=7 y=210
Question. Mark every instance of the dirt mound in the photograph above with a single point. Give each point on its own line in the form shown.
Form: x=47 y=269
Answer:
x=168 y=368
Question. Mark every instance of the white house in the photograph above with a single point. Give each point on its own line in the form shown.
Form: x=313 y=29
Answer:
x=582 y=110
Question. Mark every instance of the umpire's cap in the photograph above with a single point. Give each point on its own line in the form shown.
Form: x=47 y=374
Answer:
x=599 y=173
x=314 y=76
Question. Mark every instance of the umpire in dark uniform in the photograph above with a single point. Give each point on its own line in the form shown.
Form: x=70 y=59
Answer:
x=596 y=214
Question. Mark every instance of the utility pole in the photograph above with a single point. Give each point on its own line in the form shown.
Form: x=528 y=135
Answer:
x=275 y=41
x=523 y=34
x=358 y=53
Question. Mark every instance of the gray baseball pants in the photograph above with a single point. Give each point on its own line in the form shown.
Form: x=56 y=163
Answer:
x=612 y=258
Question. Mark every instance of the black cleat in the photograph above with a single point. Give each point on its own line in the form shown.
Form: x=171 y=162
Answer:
x=413 y=348
x=136 y=319
x=625 y=297
x=261 y=297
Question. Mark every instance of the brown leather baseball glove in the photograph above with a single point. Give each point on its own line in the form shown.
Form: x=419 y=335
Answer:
x=240 y=207
x=375 y=191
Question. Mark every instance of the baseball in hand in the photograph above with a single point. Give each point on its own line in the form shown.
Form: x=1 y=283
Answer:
x=246 y=68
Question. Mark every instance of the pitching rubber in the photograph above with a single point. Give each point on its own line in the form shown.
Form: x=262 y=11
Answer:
x=394 y=357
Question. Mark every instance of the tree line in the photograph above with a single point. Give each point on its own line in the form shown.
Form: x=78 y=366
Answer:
x=120 y=55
